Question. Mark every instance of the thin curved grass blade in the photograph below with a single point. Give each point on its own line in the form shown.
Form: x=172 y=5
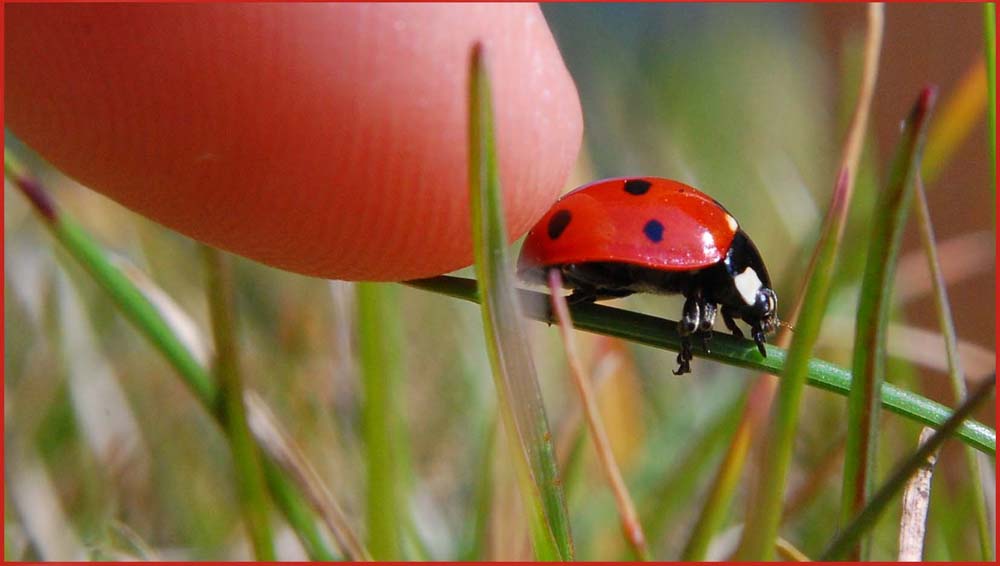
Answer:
x=662 y=333
x=631 y=527
x=764 y=509
x=146 y=315
x=130 y=300
x=870 y=342
x=284 y=452
x=766 y=502
x=850 y=536
x=958 y=115
x=659 y=503
x=520 y=399
x=250 y=482
x=956 y=373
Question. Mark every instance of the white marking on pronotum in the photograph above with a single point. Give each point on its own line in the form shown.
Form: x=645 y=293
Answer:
x=747 y=283
x=733 y=225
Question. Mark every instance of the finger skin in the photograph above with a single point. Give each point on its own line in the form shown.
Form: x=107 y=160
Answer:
x=326 y=139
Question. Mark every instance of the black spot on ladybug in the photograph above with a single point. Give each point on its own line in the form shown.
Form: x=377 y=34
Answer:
x=558 y=223
x=653 y=230
x=637 y=187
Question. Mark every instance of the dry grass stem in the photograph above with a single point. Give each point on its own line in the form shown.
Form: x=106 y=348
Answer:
x=916 y=499
x=626 y=508
x=283 y=450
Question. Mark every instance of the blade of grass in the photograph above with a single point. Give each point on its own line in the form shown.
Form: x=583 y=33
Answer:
x=289 y=498
x=850 y=536
x=660 y=502
x=720 y=495
x=870 y=341
x=955 y=371
x=916 y=499
x=148 y=319
x=807 y=316
x=765 y=504
x=960 y=113
x=661 y=333
x=249 y=478
x=626 y=508
x=130 y=300
x=518 y=392
x=281 y=448
x=787 y=552
x=379 y=341
x=477 y=527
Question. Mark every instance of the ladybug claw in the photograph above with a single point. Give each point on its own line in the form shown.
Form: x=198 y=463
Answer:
x=758 y=337
x=684 y=358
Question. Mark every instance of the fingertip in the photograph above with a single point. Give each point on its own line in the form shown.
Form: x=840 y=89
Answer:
x=327 y=139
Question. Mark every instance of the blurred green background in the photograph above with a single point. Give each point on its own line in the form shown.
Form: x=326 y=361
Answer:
x=108 y=455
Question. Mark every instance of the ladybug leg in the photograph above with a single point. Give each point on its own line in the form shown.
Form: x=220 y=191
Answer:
x=690 y=317
x=688 y=325
x=684 y=358
x=708 y=311
x=727 y=317
x=758 y=337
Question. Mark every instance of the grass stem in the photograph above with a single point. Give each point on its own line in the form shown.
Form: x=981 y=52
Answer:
x=855 y=529
x=631 y=527
x=870 y=343
x=956 y=373
x=246 y=460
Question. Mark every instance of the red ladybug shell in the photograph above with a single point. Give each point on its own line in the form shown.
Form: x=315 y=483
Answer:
x=646 y=221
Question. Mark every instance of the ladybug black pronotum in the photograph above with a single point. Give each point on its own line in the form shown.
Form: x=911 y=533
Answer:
x=621 y=236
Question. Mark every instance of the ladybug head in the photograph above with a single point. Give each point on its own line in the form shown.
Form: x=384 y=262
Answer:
x=764 y=311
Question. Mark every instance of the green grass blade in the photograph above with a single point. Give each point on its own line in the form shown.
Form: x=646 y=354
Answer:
x=870 y=341
x=477 y=526
x=284 y=455
x=662 y=333
x=129 y=299
x=766 y=502
x=957 y=116
x=296 y=512
x=719 y=495
x=850 y=536
x=246 y=461
x=955 y=371
x=518 y=392
x=379 y=342
x=139 y=310
x=660 y=503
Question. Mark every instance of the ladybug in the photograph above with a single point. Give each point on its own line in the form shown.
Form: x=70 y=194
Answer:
x=620 y=236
